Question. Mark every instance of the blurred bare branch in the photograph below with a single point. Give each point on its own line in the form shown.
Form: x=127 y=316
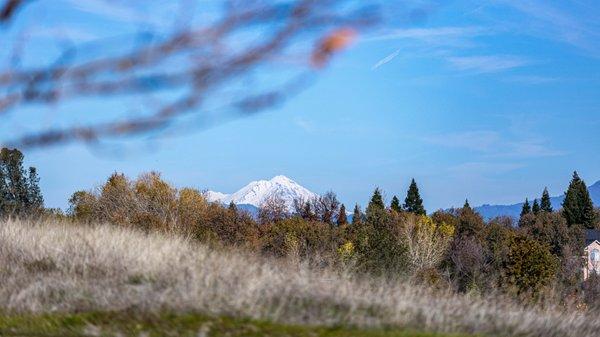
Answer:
x=194 y=63
x=9 y=8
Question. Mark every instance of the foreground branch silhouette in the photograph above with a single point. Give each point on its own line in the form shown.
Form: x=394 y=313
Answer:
x=193 y=63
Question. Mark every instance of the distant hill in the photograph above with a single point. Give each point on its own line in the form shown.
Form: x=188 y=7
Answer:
x=251 y=209
x=514 y=210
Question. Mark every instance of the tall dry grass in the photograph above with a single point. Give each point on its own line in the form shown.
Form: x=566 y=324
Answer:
x=54 y=266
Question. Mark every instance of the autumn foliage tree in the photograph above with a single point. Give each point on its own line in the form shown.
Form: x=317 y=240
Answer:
x=150 y=203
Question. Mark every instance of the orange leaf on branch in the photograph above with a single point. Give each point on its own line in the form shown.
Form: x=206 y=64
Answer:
x=331 y=44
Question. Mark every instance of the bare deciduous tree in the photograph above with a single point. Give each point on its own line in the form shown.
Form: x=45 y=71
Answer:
x=304 y=208
x=469 y=260
x=9 y=9
x=191 y=64
x=272 y=209
x=327 y=206
x=426 y=242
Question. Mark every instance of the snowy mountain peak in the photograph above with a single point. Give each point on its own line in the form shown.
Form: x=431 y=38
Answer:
x=280 y=179
x=256 y=192
x=215 y=196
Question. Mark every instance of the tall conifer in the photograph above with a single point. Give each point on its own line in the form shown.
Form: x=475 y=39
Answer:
x=467 y=205
x=342 y=219
x=376 y=204
x=413 y=202
x=356 y=215
x=395 y=205
x=526 y=208
x=3 y=190
x=35 y=200
x=578 y=207
x=546 y=205
x=536 y=207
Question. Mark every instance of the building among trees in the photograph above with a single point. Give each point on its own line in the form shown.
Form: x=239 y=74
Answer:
x=591 y=253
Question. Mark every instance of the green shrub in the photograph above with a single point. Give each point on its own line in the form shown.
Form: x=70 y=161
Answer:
x=529 y=266
x=298 y=237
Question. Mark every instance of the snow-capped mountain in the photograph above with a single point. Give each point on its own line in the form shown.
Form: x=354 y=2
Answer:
x=258 y=191
x=215 y=196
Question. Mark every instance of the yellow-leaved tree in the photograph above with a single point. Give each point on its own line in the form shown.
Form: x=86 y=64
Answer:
x=426 y=241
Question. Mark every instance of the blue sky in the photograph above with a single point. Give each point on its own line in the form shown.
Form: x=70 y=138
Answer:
x=486 y=100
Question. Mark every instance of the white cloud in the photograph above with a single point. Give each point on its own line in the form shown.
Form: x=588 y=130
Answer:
x=435 y=34
x=481 y=141
x=484 y=168
x=443 y=42
x=493 y=144
x=304 y=124
x=575 y=23
x=530 y=148
x=428 y=41
x=531 y=79
x=487 y=64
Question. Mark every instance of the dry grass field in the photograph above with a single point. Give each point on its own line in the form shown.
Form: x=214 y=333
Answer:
x=51 y=268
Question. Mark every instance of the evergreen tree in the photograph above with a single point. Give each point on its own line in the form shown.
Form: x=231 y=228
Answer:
x=413 y=202
x=356 y=215
x=395 y=205
x=3 y=190
x=19 y=193
x=469 y=223
x=342 y=219
x=376 y=204
x=526 y=208
x=308 y=212
x=546 y=205
x=34 y=194
x=578 y=207
x=233 y=210
x=536 y=207
x=466 y=205
x=232 y=207
x=16 y=181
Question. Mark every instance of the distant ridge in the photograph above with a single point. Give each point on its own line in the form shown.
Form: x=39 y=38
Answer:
x=514 y=210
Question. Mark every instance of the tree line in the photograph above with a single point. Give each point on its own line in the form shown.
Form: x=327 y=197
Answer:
x=577 y=207
x=534 y=258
